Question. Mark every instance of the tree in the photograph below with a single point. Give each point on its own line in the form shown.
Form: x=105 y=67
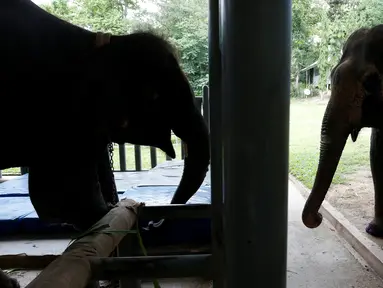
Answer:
x=344 y=17
x=185 y=23
x=305 y=18
x=61 y=9
x=319 y=28
x=95 y=15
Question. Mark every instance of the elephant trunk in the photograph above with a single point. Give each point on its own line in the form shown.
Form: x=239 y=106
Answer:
x=334 y=134
x=194 y=132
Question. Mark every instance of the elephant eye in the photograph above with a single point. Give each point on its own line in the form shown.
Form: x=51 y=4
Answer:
x=125 y=124
x=372 y=84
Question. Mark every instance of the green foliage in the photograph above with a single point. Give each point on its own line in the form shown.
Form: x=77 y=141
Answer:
x=185 y=24
x=319 y=28
x=95 y=15
x=304 y=19
x=340 y=20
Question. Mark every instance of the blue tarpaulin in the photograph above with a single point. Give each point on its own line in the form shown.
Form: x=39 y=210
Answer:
x=17 y=215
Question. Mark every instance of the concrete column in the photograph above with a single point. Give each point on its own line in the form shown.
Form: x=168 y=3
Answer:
x=255 y=90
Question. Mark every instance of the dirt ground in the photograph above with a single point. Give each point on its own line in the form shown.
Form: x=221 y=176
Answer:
x=355 y=200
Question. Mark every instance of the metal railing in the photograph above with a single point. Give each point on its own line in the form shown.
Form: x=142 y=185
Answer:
x=123 y=150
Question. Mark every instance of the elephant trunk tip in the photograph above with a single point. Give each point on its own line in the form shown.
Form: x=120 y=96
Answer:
x=311 y=219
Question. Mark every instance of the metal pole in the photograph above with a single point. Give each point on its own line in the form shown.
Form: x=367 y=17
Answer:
x=137 y=156
x=215 y=126
x=153 y=156
x=122 y=155
x=205 y=107
x=256 y=83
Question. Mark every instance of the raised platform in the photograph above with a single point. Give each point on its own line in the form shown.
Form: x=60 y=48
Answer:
x=154 y=187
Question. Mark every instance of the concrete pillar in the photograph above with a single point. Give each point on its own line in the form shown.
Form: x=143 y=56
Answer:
x=215 y=121
x=255 y=90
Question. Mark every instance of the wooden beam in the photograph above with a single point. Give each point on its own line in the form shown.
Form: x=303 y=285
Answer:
x=152 y=267
x=40 y=262
x=28 y=262
x=73 y=269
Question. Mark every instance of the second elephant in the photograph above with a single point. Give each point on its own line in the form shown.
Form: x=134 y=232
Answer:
x=356 y=102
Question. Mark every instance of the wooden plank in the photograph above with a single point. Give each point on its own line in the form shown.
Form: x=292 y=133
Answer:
x=40 y=262
x=72 y=269
x=153 y=267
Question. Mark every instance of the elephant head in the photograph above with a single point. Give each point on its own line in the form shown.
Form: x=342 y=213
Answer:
x=356 y=102
x=149 y=97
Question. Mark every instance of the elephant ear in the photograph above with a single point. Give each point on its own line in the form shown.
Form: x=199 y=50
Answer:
x=371 y=80
x=372 y=106
x=367 y=87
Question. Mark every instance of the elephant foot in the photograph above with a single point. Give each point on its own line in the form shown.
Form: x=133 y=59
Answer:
x=375 y=230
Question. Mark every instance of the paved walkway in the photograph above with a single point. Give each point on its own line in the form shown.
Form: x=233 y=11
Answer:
x=316 y=258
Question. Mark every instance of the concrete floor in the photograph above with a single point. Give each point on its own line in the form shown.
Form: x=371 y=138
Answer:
x=317 y=258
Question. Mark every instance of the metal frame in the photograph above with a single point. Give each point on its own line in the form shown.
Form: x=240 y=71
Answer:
x=131 y=270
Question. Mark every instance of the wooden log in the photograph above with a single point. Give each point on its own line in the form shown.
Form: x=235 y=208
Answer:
x=73 y=269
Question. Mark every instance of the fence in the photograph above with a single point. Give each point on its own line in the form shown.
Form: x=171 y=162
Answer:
x=135 y=151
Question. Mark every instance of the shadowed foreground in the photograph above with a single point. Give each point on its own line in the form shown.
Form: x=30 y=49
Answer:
x=316 y=258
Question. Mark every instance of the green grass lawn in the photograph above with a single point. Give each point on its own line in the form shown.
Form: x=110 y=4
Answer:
x=305 y=123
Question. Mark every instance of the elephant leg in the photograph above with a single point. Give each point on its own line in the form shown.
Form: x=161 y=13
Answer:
x=375 y=227
x=76 y=200
x=109 y=191
x=7 y=282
